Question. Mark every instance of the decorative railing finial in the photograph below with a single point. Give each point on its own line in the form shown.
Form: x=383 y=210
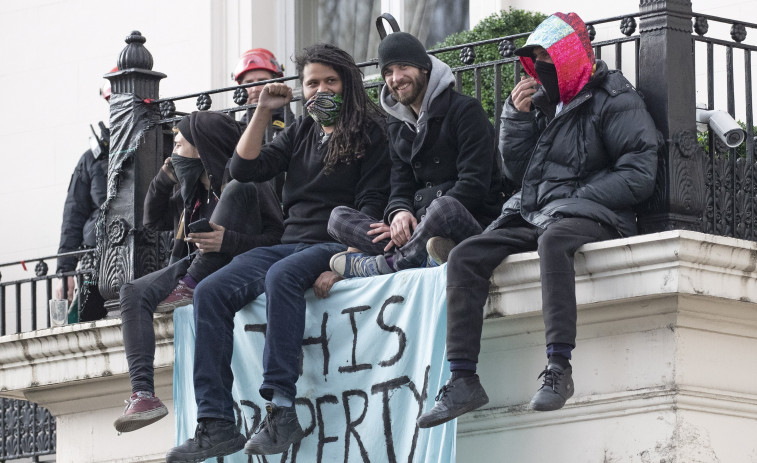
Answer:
x=135 y=55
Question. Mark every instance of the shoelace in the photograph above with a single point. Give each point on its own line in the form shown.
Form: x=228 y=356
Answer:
x=268 y=422
x=358 y=265
x=442 y=392
x=551 y=378
x=129 y=402
x=199 y=431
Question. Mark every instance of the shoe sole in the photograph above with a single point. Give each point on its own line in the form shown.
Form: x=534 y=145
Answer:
x=439 y=249
x=128 y=423
x=221 y=450
x=469 y=407
x=171 y=306
x=338 y=268
x=253 y=448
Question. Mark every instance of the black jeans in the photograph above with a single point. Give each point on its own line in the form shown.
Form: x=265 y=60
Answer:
x=445 y=217
x=473 y=261
x=237 y=210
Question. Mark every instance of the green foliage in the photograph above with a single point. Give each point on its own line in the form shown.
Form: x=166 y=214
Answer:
x=503 y=23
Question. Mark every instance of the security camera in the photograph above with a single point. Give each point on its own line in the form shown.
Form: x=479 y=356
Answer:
x=724 y=126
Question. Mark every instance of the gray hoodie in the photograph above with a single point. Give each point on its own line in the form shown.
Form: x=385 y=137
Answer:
x=440 y=78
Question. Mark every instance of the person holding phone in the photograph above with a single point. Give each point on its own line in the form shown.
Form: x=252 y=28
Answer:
x=212 y=221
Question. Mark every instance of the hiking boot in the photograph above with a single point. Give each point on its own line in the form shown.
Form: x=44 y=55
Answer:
x=278 y=430
x=142 y=408
x=356 y=264
x=454 y=399
x=213 y=438
x=556 y=388
x=180 y=296
x=438 y=250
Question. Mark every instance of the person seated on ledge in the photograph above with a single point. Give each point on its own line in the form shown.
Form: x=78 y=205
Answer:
x=247 y=215
x=336 y=155
x=446 y=175
x=584 y=150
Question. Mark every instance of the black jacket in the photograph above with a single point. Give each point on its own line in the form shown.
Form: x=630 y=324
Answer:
x=452 y=153
x=309 y=194
x=86 y=192
x=596 y=159
x=215 y=136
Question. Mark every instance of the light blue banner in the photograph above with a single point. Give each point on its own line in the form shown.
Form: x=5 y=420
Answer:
x=373 y=359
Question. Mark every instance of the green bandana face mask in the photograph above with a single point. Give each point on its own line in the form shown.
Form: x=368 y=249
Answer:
x=324 y=108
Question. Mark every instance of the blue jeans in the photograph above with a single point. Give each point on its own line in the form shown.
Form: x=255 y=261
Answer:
x=284 y=272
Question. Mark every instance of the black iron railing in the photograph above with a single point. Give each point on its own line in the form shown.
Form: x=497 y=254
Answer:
x=23 y=302
x=730 y=173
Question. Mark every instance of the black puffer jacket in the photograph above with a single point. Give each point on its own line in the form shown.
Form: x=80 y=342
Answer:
x=86 y=193
x=596 y=159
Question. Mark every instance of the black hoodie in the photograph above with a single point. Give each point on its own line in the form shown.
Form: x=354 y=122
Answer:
x=215 y=136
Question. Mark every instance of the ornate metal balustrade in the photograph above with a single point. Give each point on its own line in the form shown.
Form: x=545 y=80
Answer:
x=28 y=296
x=730 y=173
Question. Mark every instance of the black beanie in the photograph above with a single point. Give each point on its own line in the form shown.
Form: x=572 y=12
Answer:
x=186 y=131
x=401 y=47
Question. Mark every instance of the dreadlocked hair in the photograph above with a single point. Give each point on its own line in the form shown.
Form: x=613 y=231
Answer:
x=350 y=139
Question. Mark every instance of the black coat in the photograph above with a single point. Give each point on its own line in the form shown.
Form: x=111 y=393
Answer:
x=596 y=159
x=215 y=138
x=452 y=153
x=310 y=194
x=86 y=192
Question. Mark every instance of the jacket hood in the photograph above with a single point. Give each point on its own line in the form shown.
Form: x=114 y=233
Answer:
x=439 y=79
x=215 y=136
x=566 y=39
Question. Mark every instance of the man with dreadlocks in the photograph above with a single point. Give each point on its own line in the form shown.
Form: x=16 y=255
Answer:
x=334 y=156
x=446 y=176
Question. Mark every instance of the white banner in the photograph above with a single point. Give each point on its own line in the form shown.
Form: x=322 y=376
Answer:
x=373 y=360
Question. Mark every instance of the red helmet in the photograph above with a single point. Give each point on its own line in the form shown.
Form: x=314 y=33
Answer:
x=257 y=58
x=105 y=90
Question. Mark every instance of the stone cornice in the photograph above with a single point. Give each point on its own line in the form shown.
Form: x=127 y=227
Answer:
x=609 y=406
x=673 y=262
x=82 y=351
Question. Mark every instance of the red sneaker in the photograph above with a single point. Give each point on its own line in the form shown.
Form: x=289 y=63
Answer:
x=180 y=296
x=142 y=408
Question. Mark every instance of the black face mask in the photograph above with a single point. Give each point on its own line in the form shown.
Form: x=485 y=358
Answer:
x=188 y=172
x=548 y=76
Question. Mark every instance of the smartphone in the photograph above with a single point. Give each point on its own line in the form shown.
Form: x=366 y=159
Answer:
x=200 y=226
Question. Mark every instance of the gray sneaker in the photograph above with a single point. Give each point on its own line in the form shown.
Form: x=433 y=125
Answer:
x=454 y=399
x=278 y=430
x=213 y=438
x=438 y=250
x=556 y=388
x=356 y=264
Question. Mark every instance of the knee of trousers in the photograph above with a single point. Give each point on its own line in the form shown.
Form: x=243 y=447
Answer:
x=234 y=188
x=338 y=214
x=444 y=205
x=129 y=296
x=285 y=277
